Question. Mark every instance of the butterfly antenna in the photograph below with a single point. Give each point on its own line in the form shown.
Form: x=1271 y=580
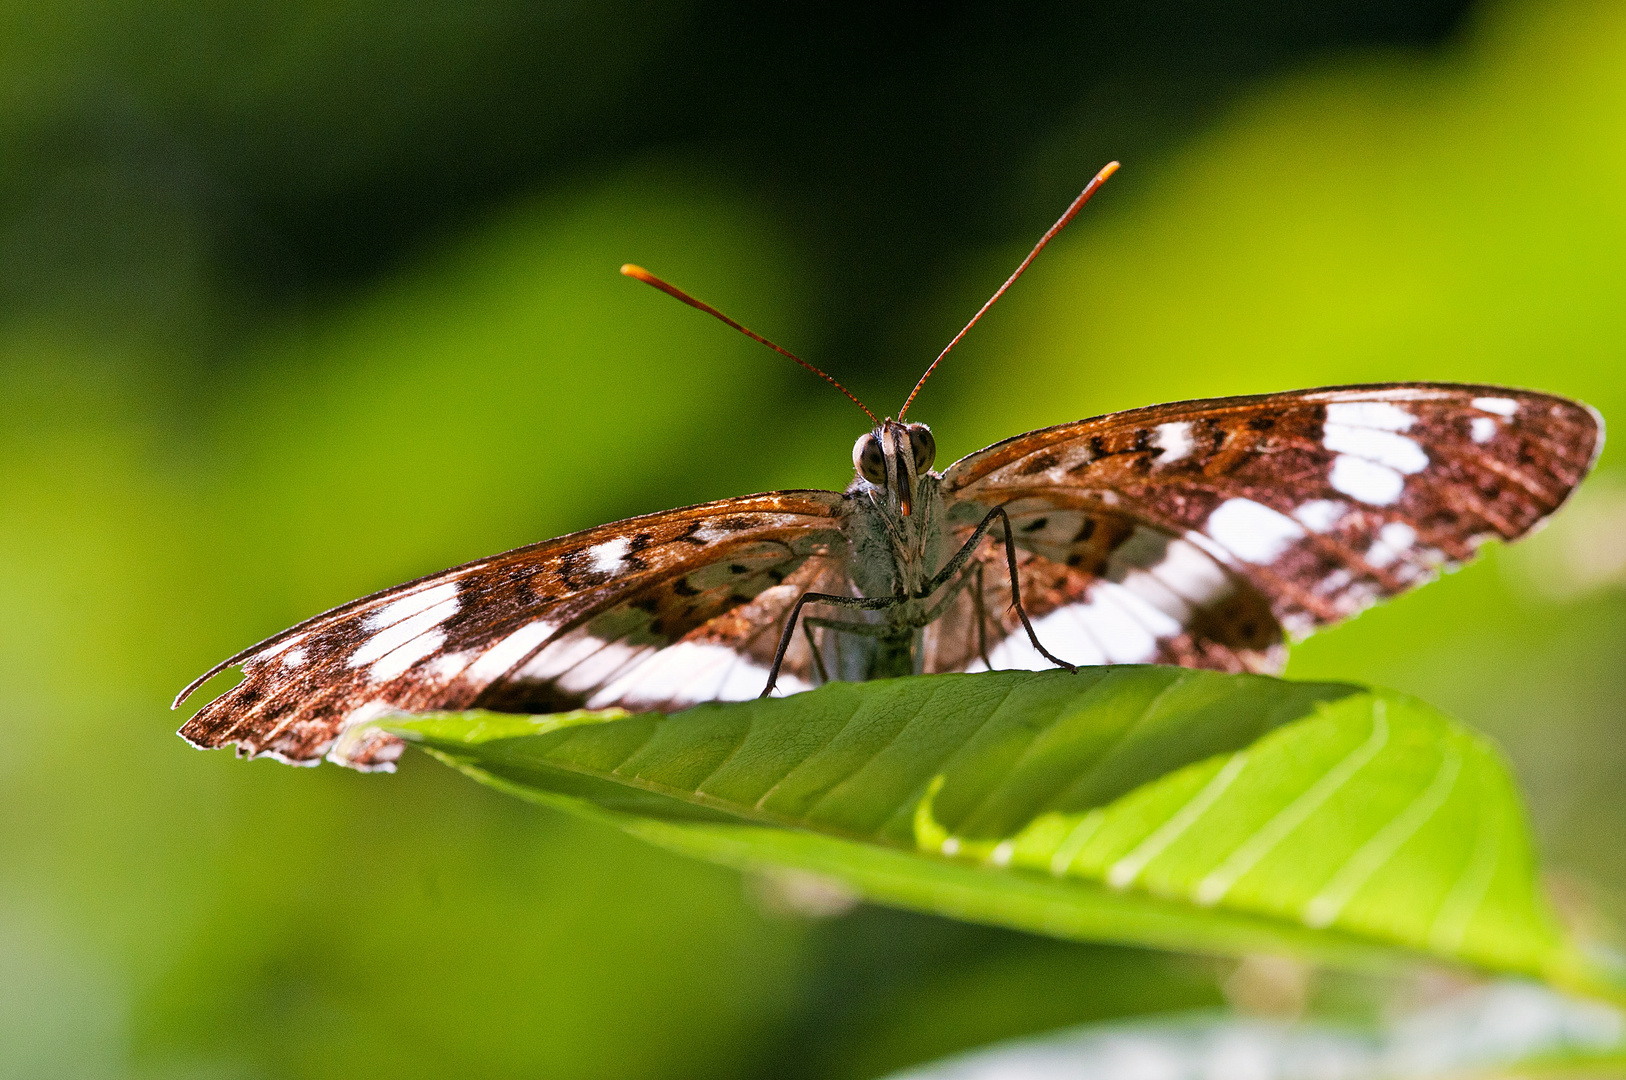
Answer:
x=1077 y=205
x=672 y=290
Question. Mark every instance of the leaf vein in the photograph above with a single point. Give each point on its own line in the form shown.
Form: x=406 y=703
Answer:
x=1212 y=888
x=1123 y=873
x=1325 y=906
x=920 y=711
x=858 y=707
x=1123 y=736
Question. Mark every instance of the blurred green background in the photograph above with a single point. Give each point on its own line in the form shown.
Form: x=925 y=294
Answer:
x=300 y=300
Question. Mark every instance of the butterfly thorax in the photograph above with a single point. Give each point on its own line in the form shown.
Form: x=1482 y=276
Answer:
x=893 y=523
x=894 y=554
x=891 y=555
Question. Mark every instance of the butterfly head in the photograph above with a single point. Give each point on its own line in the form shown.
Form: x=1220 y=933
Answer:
x=894 y=457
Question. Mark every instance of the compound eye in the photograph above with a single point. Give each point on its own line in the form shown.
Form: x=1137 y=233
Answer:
x=923 y=446
x=870 y=460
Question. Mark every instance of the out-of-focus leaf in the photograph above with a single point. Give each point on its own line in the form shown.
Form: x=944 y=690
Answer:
x=141 y=542
x=1150 y=805
x=1504 y=1030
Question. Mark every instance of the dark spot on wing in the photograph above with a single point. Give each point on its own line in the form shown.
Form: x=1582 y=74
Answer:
x=1262 y=423
x=737 y=568
x=687 y=536
x=1038 y=463
x=682 y=587
x=1035 y=525
x=514 y=695
x=736 y=524
x=635 y=544
x=1085 y=531
x=577 y=572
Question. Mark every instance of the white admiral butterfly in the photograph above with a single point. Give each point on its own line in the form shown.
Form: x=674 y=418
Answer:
x=1200 y=533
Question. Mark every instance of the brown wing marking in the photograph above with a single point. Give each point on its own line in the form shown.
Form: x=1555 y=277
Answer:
x=1324 y=501
x=512 y=630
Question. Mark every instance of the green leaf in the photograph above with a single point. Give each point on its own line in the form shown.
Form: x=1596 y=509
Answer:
x=1153 y=805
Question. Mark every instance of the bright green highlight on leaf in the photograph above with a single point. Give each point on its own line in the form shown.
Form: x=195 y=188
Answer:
x=1183 y=809
x=1375 y=815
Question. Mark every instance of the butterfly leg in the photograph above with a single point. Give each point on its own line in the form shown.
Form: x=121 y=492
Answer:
x=960 y=557
x=1016 y=596
x=942 y=605
x=972 y=574
x=858 y=629
x=860 y=603
x=813 y=649
x=982 y=621
x=969 y=548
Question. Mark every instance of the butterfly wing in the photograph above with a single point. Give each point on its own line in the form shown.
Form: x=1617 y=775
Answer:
x=1197 y=532
x=1150 y=599
x=655 y=612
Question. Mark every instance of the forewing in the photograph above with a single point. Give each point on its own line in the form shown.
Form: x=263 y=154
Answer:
x=1316 y=502
x=655 y=612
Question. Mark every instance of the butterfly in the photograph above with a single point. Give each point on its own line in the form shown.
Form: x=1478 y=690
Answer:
x=1199 y=533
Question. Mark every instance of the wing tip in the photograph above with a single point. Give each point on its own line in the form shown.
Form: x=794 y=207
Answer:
x=235 y=660
x=191 y=687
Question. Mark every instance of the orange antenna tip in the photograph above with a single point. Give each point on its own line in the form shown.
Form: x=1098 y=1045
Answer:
x=632 y=270
x=1073 y=208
